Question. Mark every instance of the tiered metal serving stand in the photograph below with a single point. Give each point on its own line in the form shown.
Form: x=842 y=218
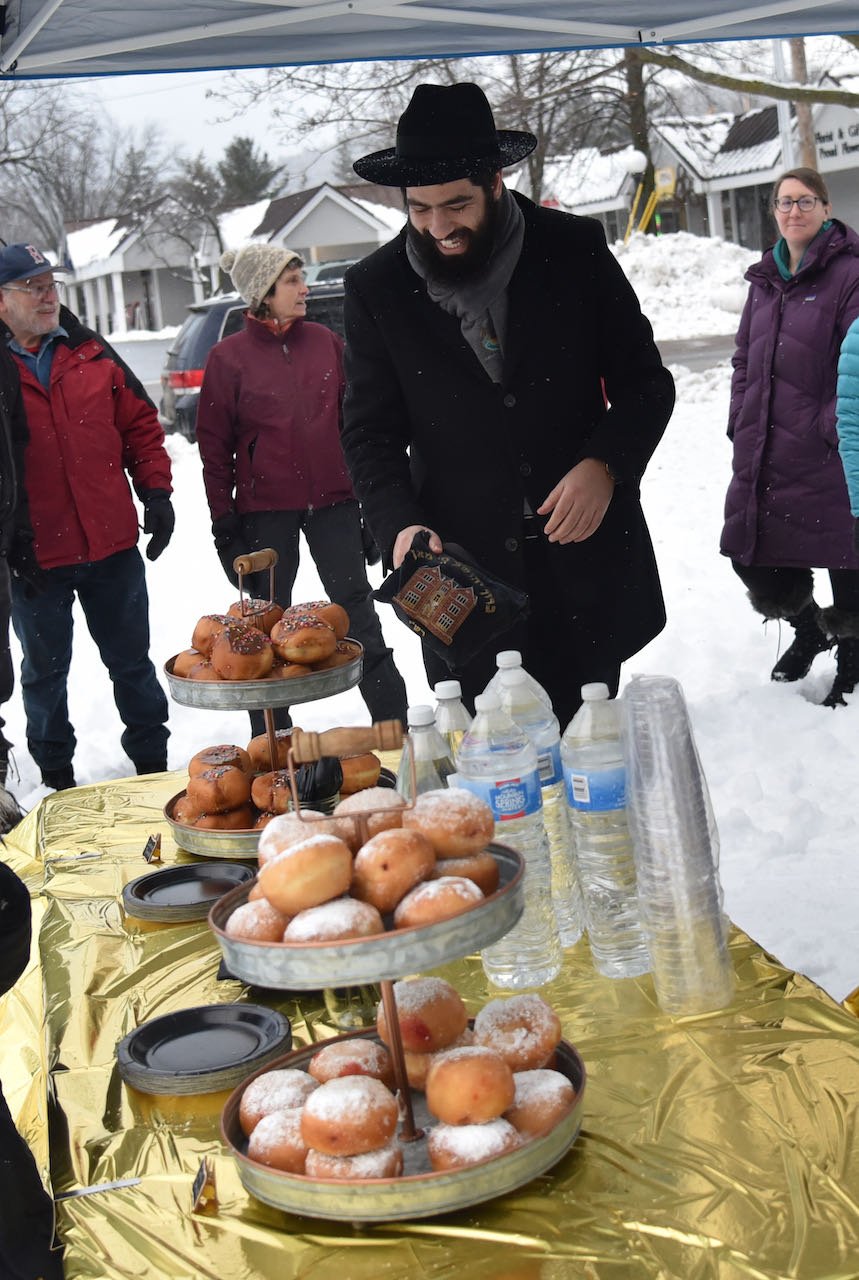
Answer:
x=250 y=695
x=419 y=1192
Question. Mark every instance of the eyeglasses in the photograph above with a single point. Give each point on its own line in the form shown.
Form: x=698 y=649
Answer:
x=784 y=204
x=39 y=291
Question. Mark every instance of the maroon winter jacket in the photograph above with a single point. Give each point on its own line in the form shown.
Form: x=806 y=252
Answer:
x=787 y=503
x=268 y=422
x=94 y=424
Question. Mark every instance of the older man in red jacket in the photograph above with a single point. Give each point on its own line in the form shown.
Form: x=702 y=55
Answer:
x=90 y=422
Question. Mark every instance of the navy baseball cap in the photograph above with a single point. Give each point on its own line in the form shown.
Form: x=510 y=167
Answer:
x=23 y=261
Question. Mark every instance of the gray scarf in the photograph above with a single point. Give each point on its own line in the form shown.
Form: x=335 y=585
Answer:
x=481 y=302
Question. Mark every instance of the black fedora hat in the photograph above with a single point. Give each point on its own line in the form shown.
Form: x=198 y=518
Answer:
x=446 y=132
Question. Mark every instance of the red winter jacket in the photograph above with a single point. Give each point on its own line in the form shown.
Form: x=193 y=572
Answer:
x=93 y=424
x=268 y=422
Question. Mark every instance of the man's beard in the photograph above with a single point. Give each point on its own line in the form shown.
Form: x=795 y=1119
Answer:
x=459 y=267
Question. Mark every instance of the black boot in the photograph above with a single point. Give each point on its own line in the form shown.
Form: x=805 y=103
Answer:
x=810 y=640
x=59 y=779
x=846 y=673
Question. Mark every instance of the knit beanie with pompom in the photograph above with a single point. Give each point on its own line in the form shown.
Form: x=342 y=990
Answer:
x=254 y=268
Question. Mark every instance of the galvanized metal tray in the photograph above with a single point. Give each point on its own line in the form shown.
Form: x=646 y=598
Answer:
x=211 y=844
x=258 y=695
x=289 y=966
x=419 y=1192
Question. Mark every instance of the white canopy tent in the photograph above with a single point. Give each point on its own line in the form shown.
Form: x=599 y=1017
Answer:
x=42 y=38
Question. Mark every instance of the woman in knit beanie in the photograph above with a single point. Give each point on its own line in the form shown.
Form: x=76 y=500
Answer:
x=268 y=427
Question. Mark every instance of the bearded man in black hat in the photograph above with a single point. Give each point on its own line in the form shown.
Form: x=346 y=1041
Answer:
x=504 y=392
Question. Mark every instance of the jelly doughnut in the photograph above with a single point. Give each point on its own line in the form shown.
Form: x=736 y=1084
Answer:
x=272 y=792
x=359 y=772
x=219 y=789
x=242 y=653
x=430 y=1012
x=307 y=874
x=203 y=670
x=480 y=867
x=262 y=614
x=333 y=614
x=542 y=1098
x=436 y=900
x=523 y=1029
x=277 y=1141
x=185 y=811
x=418 y=1064
x=341 y=657
x=386 y=805
x=303 y=638
x=208 y=629
x=216 y=757
x=260 y=753
x=455 y=822
x=390 y=864
x=184 y=661
x=289 y=829
x=334 y=921
x=241 y=819
x=274 y=1091
x=286 y=670
x=456 y=1146
x=352 y=1057
x=256 y=921
x=349 y=1115
x=385 y=1162
x=469 y=1085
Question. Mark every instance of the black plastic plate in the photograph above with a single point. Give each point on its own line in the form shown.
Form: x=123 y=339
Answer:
x=183 y=892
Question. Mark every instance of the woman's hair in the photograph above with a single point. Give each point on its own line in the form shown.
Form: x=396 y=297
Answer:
x=808 y=177
x=262 y=310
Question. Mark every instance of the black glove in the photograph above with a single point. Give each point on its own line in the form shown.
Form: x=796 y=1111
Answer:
x=158 y=519
x=227 y=532
x=26 y=568
x=856 y=536
x=372 y=554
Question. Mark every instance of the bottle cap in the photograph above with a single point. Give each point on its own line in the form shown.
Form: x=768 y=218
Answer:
x=420 y=715
x=508 y=658
x=487 y=702
x=511 y=676
x=448 y=689
x=594 y=692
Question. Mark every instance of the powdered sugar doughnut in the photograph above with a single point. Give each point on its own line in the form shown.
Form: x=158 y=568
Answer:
x=436 y=900
x=431 y=1014
x=390 y=802
x=288 y=829
x=274 y=1091
x=349 y=1115
x=541 y=1099
x=390 y=864
x=306 y=874
x=334 y=921
x=469 y=1086
x=257 y=921
x=456 y=1146
x=353 y=1057
x=455 y=822
x=277 y=1141
x=480 y=867
x=386 y=1162
x=523 y=1029
x=418 y=1064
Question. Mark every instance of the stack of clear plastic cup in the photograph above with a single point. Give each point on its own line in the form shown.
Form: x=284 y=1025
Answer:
x=676 y=847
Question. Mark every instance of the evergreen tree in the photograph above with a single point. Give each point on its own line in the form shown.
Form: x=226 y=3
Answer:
x=246 y=174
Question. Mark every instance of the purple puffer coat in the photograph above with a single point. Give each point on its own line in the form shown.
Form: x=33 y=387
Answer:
x=787 y=502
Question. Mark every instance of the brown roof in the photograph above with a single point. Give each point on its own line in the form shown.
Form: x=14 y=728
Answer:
x=752 y=129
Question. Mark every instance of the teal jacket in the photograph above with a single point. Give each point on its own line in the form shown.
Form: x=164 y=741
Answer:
x=847 y=412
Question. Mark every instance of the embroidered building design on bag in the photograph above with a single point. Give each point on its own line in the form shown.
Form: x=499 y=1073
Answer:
x=436 y=602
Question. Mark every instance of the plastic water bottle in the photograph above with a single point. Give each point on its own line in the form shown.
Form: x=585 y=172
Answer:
x=595 y=777
x=520 y=701
x=433 y=764
x=451 y=718
x=498 y=762
x=511 y=660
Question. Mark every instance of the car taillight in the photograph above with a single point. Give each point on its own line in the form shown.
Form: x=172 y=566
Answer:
x=185 y=379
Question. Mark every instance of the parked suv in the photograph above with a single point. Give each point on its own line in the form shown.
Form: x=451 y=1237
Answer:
x=207 y=323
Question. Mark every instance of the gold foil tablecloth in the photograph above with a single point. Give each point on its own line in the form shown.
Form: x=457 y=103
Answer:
x=713 y=1148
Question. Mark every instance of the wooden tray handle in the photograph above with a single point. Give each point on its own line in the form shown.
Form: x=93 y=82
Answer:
x=255 y=561
x=387 y=735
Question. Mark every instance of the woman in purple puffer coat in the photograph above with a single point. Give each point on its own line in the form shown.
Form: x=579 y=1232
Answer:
x=787 y=510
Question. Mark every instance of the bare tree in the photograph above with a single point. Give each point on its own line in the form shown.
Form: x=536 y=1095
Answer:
x=804 y=121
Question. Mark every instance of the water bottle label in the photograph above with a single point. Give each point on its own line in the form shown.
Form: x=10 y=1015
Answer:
x=600 y=790
x=549 y=765
x=508 y=797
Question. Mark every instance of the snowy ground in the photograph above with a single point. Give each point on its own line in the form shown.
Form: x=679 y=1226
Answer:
x=781 y=769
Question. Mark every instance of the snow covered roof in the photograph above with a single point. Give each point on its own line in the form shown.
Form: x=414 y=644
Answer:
x=587 y=180
x=238 y=226
x=95 y=241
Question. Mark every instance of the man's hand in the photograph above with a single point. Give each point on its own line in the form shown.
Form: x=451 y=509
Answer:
x=405 y=538
x=578 y=502
x=24 y=565
x=158 y=519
